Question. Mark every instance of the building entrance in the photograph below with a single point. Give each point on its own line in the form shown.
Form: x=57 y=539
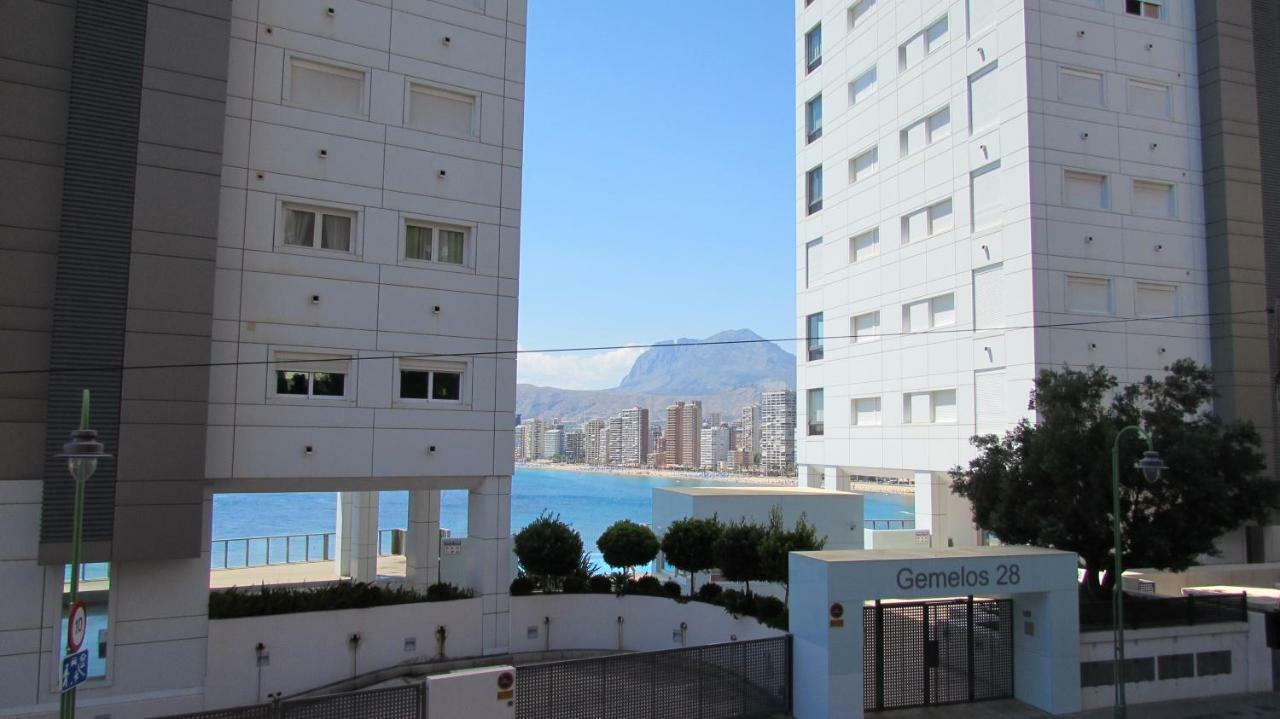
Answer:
x=936 y=652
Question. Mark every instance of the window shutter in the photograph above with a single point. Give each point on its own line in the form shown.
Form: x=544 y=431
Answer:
x=988 y=297
x=988 y=400
x=944 y=405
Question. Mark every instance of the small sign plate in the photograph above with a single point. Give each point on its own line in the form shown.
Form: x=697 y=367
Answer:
x=77 y=623
x=75 y=670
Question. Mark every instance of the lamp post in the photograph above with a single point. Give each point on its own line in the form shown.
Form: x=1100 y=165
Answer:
x=1150 y=464
x=82 y=453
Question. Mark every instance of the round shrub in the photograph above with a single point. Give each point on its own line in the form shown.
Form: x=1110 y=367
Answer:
x=601 y=584
x=576 y=584
x=548 y=549
x=769 y=608
x=521 y=586
x=444 y=591
x=649 y=585
x=672 y=589
x=628 y=544
x=711 y=592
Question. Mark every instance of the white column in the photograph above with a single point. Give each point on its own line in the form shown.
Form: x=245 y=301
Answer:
x=490 y=560
x=422 y=539
x=357 y=535
x=809 y=476
x=836 y=479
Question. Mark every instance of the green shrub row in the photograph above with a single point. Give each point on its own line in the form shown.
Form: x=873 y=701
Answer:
x=268 y=600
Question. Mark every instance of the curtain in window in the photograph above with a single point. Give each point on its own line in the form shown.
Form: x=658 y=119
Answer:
x=417 y=243
x=450 y=246
x=299 y=227
x=336 y=233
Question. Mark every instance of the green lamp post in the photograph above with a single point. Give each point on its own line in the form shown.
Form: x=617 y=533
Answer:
x=82 y=453
x=1150 y=464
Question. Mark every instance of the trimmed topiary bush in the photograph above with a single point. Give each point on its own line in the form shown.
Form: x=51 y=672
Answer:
x=521 y=586
x=627 y=544
x=648 y=585
x=576 y=584
x=549 y=550
x=672 y=589
x=710 y=592
x=444 y=591
x=601 y=584
x=267 y=600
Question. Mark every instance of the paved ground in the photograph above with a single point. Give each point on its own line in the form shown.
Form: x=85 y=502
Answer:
x=388 y=567
x=1238 y=706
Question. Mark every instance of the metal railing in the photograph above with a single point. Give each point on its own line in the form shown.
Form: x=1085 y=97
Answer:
x=405 y=702
x=242 y=552
x=1145 y=612
x=890 y=523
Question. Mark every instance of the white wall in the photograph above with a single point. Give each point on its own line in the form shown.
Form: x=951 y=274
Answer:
x=310 y=649
x=590 y=621
x=1099 y=646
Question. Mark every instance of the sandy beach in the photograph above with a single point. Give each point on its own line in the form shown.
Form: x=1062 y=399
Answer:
x=681 y=475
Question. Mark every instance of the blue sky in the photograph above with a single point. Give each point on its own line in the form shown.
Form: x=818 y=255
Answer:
x=658 y=178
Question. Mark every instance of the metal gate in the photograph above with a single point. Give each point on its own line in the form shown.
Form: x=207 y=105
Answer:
x=939 y=652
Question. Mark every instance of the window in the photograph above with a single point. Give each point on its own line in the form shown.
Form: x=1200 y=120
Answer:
x=923 y=43
x=1153 y=199
x=858 y=10
x=927 y=131
x=981 y=14
x=987 y=203
x=430 y=383
x=451 y=113
x=435 y=243
x=813 y=48
x=813 y=332
x=814 y=409
x=862 y=87
x=1085 y=189
x=95 y=592
x=864 y=164
x=813 y=189
x=1081 y=87
x=324 y=87
x=866 y=411
x=1090 y=295
x=813 y=119
x=1144 y=8
x=925 y=315
x=313 y=376
x=812 y=268
x=1153 y=299
x=1213 y=663
x=988 y=298
x=866 y=327
x=864 y=246
x=323 y=229
x=984 y=99
x=926 y=222
x=1148 y=98
x=988 y=402
x=938 y=406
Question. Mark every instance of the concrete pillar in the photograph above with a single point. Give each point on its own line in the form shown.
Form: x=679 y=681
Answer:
x=489 y=558
x=809 y=476
x=836 y=479
x=422 y=539
x=356 y=552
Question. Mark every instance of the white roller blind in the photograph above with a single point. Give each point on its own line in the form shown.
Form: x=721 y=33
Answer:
x=911 y=52
x=988 y=400
x=988 y=297
x=866 y=411
x=1088 y=294
x=1148 y=98
x=863 y=165
x=914 y=137
x=448 y=112
x=917 y=316
x=915 y=226
x=939 y=124
x=984 y=99
x=917 y=408
x=866 y=327
x=865 y=246
x=982 y=13
x=325 y=87
x=1081 y=87
x=940 y=217
x=944 y=405
x=942 y=310
x=936 y=35
x=1155 y=300
x=862 y=86
x=1152 y=199
x=1084 y=189
x=859 y=9
x=988 y=204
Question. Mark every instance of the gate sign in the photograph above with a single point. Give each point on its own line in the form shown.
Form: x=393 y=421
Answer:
x=75 y=669
x=77 y=622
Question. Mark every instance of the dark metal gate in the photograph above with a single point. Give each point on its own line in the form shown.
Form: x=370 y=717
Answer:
x=938 y=652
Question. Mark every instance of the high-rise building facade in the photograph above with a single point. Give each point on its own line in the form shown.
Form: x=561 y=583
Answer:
x=778 y=431
x=683 y=433
x=988 y=189
x=574 y=446
x=634 y=451
x=312 y=199
x=594 y=450
x=532 y=433
x=713 y=446
x=749 y=437
x=614 y=441
x=552 y=444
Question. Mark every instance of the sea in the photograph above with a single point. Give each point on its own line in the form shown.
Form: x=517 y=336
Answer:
x=589 y=502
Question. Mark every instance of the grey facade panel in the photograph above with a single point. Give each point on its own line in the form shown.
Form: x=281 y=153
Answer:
x=1266 y=60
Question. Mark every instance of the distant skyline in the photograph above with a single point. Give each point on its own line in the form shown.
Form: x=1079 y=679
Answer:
x=658 y=197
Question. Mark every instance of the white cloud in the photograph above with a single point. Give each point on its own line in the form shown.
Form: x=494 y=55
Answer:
x=576 y=370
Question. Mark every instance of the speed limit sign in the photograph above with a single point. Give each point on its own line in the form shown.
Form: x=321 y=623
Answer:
x=77 y=623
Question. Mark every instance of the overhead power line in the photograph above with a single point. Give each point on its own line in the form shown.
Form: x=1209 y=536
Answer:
x=601 y=348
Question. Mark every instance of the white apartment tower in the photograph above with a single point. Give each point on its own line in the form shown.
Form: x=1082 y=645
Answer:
x=714 y=446
x=592 y=430
x=778 y=431
x=634 y=439
x=988 y=188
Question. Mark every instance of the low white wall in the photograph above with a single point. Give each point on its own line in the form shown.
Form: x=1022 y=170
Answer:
x=310 y=649
x=1233 y=575
x=1140 y=643
x=895 y=538
x=590 y=621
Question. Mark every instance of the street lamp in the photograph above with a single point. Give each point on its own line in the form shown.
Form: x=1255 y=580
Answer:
x=1150 y=464
x=82 y=453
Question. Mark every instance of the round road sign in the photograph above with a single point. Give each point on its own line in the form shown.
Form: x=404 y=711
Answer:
x=837 y=610
x=506 y=680
x=77 y=623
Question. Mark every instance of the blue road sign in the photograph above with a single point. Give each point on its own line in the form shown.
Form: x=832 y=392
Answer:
x=75 y=669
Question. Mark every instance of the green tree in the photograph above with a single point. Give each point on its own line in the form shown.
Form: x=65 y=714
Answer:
x=549 y=550
x=627 y=544
x=737 y=552
x=780 y=541
x=689 y=545
x=1049 y=483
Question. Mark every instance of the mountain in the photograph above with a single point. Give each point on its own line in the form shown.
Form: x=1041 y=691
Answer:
x=725 y=377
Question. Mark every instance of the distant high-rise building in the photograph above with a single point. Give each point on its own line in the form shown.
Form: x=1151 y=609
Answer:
x=634 y=441
x=592 y=430
x=749 y=438
x=575 y=445
x=714 y=443
x=531 y=432
x=683 y=434
x=614 y=442
x=714 y=419
x=778 y=431
x=552 y=443
x=739 y=459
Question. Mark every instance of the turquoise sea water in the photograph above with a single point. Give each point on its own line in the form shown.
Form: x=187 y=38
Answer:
x=588 y=502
